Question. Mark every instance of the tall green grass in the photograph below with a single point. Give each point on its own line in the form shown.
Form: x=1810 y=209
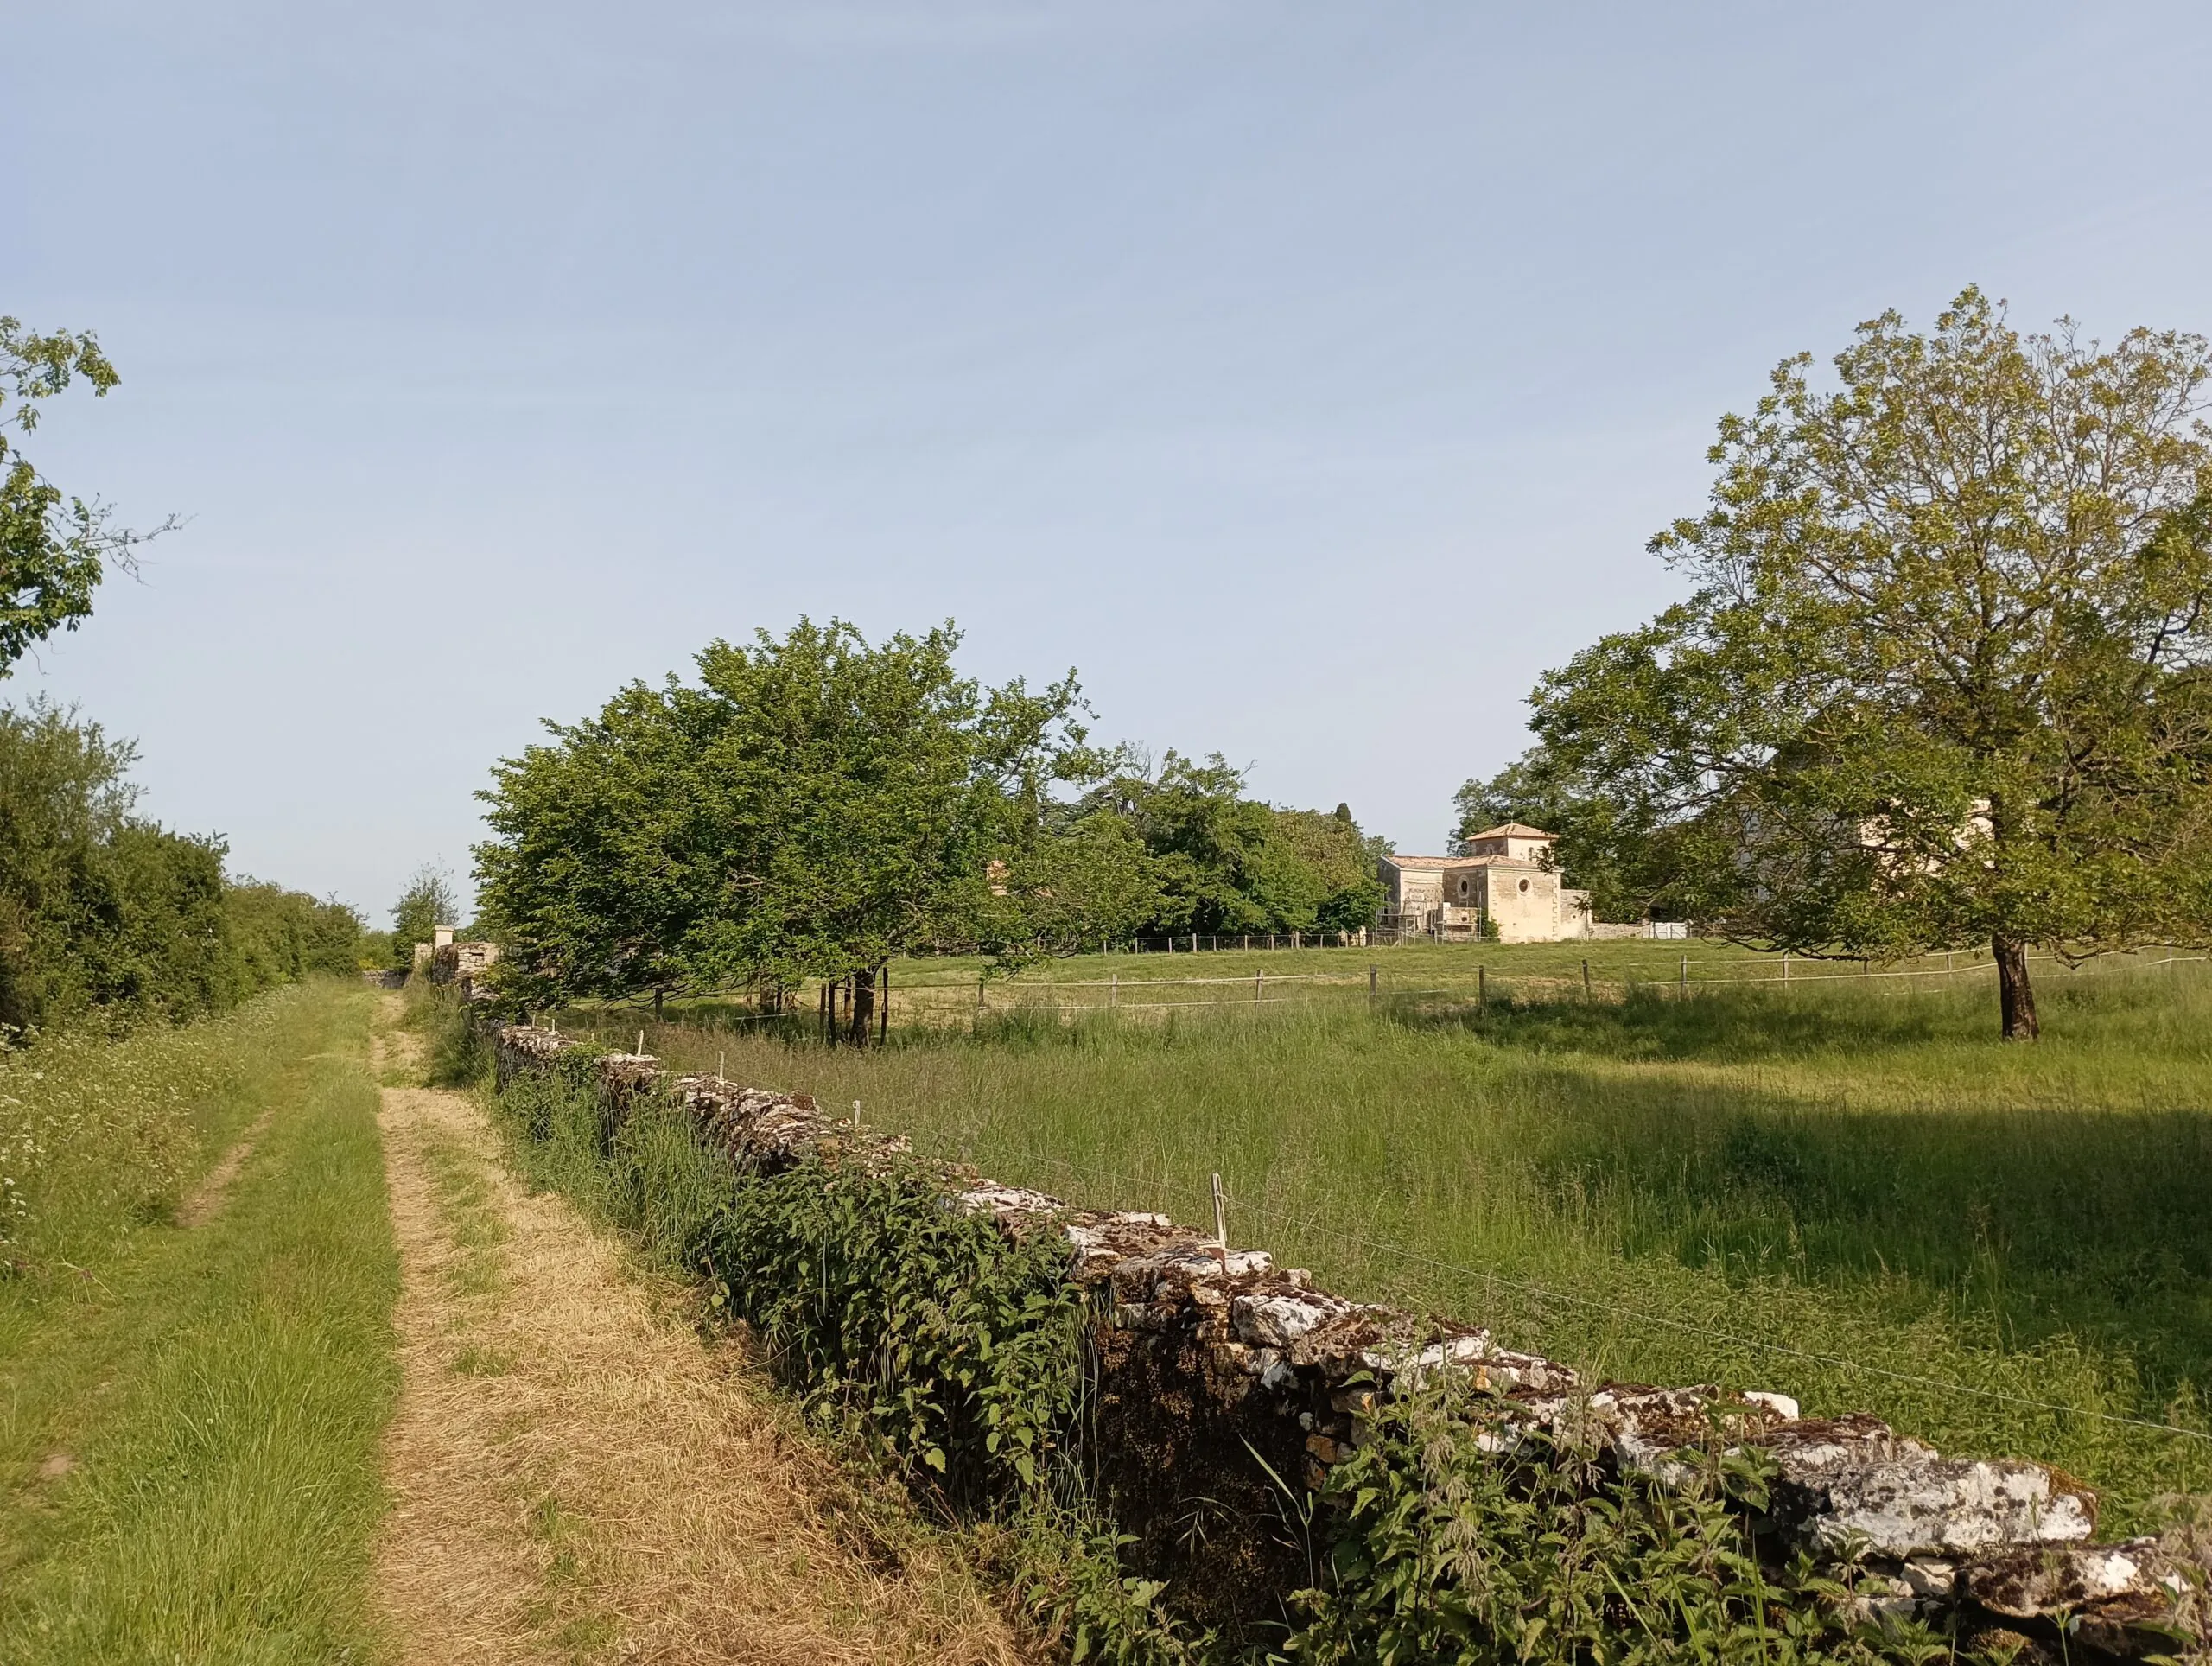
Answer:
x=99 y=1138
x=189 y=1418
x=1853 y=1193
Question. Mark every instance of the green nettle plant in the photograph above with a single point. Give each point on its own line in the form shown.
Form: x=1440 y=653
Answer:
x=962 y=1349
x=1462 y=1542
x=1942 y=680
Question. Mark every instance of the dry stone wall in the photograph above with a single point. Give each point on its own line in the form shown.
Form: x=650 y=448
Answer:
x=1209 y=1358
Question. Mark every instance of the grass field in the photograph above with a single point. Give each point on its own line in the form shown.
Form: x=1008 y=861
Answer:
x=1847 y=1190
x=194 y=1377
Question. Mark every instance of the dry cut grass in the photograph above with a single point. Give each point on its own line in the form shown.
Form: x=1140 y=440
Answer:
x=575 y=1475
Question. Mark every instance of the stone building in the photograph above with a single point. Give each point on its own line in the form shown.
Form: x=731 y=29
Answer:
x=450 y=961
x=1502 y=879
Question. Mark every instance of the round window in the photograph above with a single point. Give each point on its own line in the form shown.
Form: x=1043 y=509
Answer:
x=1524 y=885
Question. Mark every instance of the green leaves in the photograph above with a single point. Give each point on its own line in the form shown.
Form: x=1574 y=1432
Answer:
x=1941 y=678
x=1451 y=1552
x=1191 y=853
x=103 y=911
x=53 y=550
x=813 y=807
x=962 y=1349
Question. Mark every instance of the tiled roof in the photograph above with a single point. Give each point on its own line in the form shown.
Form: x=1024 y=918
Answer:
x=1460 y=862
x=1512 y=829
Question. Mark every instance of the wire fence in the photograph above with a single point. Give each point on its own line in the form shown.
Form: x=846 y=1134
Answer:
x=935 y=1001
x=1261 y=987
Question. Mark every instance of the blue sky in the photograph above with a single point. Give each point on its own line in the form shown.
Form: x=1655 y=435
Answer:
x=1308 y=376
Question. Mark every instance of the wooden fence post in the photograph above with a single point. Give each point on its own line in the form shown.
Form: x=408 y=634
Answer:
x=1371 y=984
x=1482 y=988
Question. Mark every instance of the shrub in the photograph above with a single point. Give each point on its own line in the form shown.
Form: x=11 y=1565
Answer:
x=105 y=915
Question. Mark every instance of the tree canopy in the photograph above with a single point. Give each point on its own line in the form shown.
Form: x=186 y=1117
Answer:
x=427 y=903
x=1941 y=676
x=53 y=550
x=1225 y=864
x=815 y=805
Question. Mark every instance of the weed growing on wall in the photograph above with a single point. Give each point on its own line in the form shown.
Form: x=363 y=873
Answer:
x=960 y=1349
x=1463 y=1539
x=459 y=1052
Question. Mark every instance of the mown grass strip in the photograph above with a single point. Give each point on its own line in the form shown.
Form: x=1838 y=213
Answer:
x=220 y=1393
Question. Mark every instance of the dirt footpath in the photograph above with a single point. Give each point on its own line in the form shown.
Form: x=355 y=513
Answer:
x=576 y=1475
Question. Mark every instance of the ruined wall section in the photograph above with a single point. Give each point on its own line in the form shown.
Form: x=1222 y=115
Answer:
x=1208 y=1354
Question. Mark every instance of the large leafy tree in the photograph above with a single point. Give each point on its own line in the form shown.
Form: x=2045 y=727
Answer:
x=593 y=879
x=426 y=903
x=1084 y=881
x=853 y=798
x=1942 y=675
x=54 y=549
x=813 y=807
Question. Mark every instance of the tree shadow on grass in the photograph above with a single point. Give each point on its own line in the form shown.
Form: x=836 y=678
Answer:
x=1925 y=1174
x=1724 y=1026
x=2029 y=1223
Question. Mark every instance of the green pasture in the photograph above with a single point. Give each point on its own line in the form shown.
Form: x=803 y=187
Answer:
x=1847 y=1190
x=939 y=990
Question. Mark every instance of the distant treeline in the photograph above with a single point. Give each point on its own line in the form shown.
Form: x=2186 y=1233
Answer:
x=108 y=917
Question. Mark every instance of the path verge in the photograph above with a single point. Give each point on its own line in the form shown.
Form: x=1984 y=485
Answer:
x=576 y=1475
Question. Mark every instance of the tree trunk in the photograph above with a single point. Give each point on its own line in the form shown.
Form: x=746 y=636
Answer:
x=657 y=995
x=863 y=1011
x=2016 y=999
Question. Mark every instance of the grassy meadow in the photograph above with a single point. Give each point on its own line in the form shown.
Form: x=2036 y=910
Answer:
x=1848 y=1190
x=195 y=1359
